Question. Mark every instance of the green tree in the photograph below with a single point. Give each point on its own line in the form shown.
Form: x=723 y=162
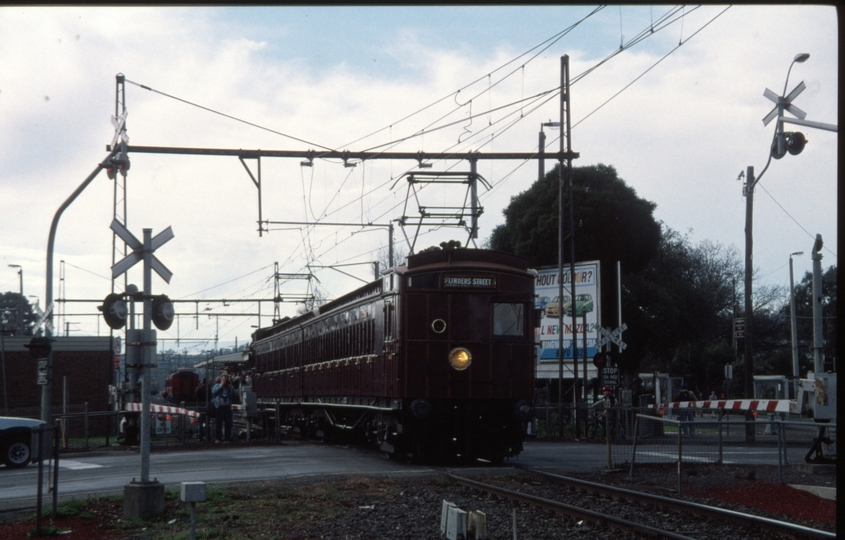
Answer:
x=682 y=303
x=9 y=305
x=612 y=223
x=678 y=298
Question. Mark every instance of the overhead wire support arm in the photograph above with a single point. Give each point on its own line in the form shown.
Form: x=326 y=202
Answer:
x=333 y=154
x=347 y=156
x=256 y=181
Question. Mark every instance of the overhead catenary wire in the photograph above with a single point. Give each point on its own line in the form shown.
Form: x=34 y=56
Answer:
x=235 y=118
x=811 y=235
x=489 y=112
x=662 y=23
x=542 y=46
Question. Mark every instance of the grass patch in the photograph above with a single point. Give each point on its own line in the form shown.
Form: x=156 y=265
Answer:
x=71 y=508
x=268 y=510
x=216 y=495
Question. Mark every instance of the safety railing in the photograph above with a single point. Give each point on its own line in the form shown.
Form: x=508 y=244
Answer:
x=659 y=440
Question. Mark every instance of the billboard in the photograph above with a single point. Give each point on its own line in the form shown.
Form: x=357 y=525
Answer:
x=587 y=302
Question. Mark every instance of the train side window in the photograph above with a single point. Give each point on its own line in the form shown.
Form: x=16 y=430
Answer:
x=508 y=319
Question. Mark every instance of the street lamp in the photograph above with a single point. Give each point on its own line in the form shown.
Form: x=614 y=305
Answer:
x=542 y=146
x=780 y=139
x=19 y=330
x=794 y=332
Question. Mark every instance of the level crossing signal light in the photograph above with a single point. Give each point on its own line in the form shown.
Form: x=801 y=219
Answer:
x=120 y=162
x=600 y=360
x=39 y=347
x=163 y=312
x=790 y=141
x=605 y=360
x=115 y=311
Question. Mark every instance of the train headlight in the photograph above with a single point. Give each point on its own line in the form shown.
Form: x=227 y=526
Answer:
x=460 y=358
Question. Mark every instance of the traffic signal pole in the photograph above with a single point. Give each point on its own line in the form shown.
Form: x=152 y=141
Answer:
x=47 y=389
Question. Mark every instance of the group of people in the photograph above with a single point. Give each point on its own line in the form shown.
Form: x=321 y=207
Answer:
x=220 y=397
x=686 y=415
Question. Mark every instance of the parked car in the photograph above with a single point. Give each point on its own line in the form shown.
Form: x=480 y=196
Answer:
x=18 y=442
x=541 y=302
x=583 y=304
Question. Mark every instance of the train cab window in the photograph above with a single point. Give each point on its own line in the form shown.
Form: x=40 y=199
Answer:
x=508 y=319
x=424 y=281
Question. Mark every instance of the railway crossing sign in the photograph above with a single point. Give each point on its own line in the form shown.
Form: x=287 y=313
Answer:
x=137 y=254
x=43 y=318
x=608 y=336
x=784 y=104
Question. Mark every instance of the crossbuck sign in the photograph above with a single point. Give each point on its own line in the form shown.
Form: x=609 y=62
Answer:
x=137 y=255
x=615 y=336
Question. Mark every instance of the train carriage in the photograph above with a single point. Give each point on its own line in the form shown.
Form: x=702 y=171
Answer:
x=435 y=360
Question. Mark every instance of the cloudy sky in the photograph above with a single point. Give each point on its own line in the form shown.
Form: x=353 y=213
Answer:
x=677 y=111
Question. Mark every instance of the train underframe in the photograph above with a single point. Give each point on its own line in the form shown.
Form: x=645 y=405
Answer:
x=417 y=430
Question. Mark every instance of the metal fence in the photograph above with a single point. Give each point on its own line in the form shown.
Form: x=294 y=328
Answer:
x=591 y=423
x=659 y=440
x=82 y=429
x=637 y=436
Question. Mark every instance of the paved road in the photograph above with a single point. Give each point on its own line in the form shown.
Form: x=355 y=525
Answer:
x=107 y=472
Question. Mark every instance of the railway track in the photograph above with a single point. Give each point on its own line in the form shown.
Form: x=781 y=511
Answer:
x=642 y=514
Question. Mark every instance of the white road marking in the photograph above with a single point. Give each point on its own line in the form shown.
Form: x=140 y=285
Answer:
x=77 y=465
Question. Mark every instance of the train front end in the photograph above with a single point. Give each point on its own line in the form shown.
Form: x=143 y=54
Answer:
x=466 y=363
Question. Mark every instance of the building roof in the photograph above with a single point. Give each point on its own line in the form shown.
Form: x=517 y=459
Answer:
x=62 y=343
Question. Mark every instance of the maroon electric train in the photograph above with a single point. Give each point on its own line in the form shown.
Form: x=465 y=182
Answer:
x=434 y=361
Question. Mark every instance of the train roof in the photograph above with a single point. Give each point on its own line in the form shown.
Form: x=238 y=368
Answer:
x=464 y=256
x=62 y=343
x=433 y=256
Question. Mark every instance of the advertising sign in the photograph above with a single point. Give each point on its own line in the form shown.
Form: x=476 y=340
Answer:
x=587 y=301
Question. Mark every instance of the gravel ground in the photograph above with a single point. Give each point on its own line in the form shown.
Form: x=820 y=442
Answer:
x=409 y=507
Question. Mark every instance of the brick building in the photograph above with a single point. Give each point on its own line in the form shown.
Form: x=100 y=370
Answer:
x=87 y=363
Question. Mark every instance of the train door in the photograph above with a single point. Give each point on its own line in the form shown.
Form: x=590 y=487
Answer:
x=386 y=370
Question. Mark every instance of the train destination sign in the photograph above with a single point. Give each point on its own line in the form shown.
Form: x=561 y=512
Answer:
x=472 y=282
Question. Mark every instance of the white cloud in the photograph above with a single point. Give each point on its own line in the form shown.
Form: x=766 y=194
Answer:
x=679 y=136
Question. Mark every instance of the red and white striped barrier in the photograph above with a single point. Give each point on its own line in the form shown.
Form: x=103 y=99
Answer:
x=136 y=407
x=761 y=405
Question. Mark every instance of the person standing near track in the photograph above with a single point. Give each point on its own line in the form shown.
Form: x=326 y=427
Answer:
x=685 y=414
x=602 y=409
x=223 y=394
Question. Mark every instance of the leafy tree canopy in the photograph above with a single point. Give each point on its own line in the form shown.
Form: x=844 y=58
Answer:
x=678 y=298
x=10 y=303
x=611 y=222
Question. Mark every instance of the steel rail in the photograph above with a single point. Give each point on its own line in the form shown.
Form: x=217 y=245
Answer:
x=574 y=511
x=774 y=525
